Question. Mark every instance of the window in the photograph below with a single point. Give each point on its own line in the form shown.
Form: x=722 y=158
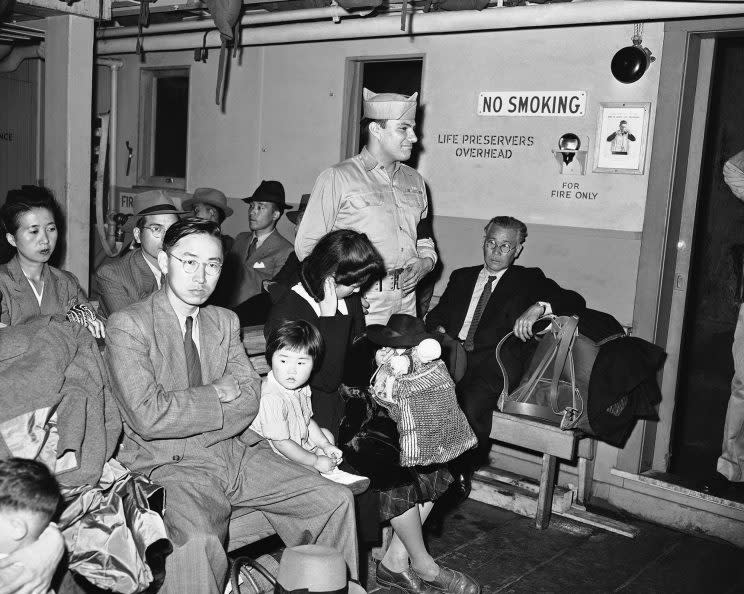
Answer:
x=163 y=135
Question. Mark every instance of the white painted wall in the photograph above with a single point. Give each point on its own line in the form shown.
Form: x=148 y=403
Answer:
x=282 y=120
x=19 y=92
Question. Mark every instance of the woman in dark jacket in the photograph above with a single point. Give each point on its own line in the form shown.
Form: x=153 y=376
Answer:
x=327 y=296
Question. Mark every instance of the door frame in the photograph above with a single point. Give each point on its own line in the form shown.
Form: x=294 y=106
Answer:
x=681 y=114
x=354 y=72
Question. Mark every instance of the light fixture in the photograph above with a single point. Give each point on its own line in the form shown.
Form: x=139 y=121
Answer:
x=571 y=153
x=568 y=144
x=630 y=63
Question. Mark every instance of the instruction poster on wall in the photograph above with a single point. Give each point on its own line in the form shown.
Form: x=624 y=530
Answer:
x=621 y=137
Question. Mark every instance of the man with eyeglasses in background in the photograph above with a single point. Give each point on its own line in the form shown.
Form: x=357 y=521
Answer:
x=482 y=304
x=187 y=394
x=135 y=275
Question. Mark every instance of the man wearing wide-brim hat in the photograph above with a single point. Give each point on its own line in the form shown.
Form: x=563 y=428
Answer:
x=211 y=205
x=208 y=204
x=119 y=282
x=259 y=254
x=375 y=193
x=295 y=217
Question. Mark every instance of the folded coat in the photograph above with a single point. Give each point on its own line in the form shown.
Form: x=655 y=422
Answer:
x=50 y=363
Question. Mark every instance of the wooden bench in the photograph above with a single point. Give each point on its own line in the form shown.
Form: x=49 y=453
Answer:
x=553 y=443
x=255 y=347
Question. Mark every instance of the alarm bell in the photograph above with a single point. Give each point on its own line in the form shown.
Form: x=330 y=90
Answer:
x=630 y=63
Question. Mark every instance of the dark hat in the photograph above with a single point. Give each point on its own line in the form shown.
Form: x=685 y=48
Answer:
x=209 y=196
x=401 y=331
x=269 y=191
x=292 y=216
x=154 y=202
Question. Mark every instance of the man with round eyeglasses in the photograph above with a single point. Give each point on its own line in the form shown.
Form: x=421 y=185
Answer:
x=135 y=275
x=188 y=393
x=482 y=304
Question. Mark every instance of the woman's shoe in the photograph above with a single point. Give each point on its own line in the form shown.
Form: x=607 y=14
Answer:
x=453 y=582
x=405 y=581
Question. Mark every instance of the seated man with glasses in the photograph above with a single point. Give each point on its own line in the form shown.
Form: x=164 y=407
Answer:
x=482 y=304
x=135 y=275
x=187 y=394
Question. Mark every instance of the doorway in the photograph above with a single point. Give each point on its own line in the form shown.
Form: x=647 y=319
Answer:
x=713 y=287
x=382 y=75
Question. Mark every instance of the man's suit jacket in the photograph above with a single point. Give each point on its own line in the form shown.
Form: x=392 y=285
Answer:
x=123 y=281
x=18 y=302
x=243 y=276
x=518 y=289
x=147 y=367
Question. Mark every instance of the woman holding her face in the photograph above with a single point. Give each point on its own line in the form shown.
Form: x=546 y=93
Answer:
x=327 y=296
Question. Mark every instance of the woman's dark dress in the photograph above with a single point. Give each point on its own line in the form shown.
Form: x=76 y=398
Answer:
x=338 y=333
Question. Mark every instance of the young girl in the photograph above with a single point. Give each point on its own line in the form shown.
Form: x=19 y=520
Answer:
x=285 y=413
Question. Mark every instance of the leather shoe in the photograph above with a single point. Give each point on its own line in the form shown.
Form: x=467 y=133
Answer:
x=453 y=582
x=405 y=581
x=462 y=485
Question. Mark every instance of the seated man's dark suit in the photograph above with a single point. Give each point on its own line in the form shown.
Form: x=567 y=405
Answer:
x=248 y=271
x=201 y=449
x=123 y=281
x=517 y=290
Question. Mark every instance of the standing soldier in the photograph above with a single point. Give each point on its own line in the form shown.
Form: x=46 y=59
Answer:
x=375 y=193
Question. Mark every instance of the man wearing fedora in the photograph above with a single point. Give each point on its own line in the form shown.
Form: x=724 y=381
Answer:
x=295 y=217
x=135 y=275
x=480 y=306
x=259 y=254
x=211 y=205
x=375 y=193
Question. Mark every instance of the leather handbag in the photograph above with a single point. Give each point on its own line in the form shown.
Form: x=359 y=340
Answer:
x=370 y=441
x=556 y=384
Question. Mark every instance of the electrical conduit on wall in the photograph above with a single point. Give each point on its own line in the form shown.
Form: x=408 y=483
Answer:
x=543 y=15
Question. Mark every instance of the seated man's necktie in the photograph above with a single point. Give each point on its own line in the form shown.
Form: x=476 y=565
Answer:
x=193 y=363
x=252 y=248
x=482 y=302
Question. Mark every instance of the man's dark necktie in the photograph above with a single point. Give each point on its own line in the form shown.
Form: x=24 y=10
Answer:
x=193 y=363
x=252 y=248
x=482 y=302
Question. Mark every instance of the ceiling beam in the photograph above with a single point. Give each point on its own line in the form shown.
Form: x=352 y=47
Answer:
x=95 y=9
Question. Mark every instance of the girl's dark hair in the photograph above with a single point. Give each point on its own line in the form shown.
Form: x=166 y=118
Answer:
x=185 y=227
x=296 y=335
x=19 y=202
x=349 y=257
